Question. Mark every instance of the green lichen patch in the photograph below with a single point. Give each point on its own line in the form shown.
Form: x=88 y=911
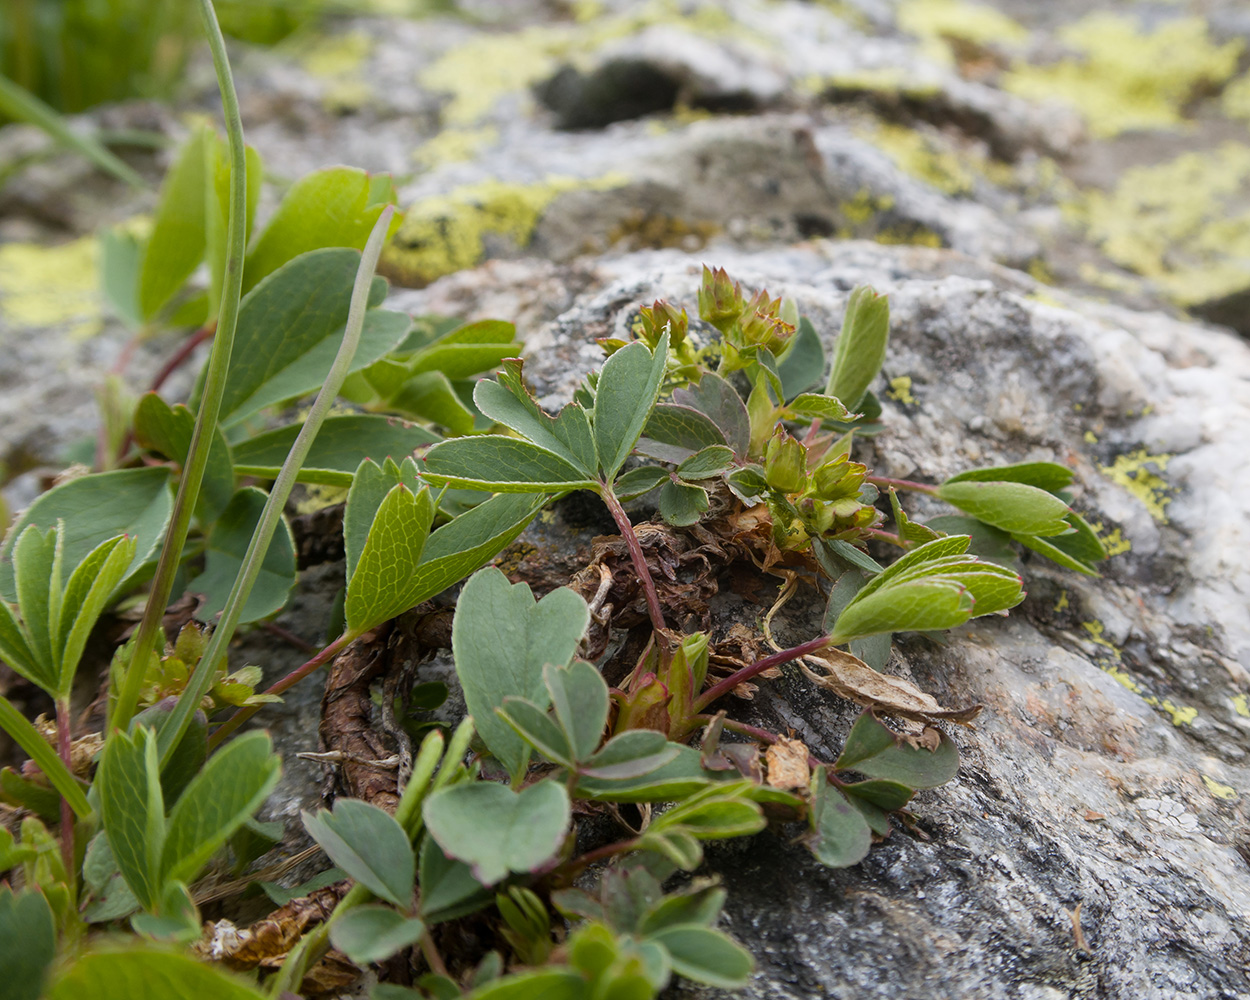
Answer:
x=447 y=233
x=938 y=22
x=1133 y=471
x=1184 y=224
x=1124 y=78
x=52 y=286
x=1111 y=662
x=923 y=158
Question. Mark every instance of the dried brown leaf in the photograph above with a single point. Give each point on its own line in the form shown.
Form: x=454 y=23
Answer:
x=851 y=678
x=787 y=764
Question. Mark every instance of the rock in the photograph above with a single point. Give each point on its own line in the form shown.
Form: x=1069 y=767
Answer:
x=1094 y=843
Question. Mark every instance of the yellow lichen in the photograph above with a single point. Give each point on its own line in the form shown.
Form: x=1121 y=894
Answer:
x=1219 y=789
x=318 y=496
x=900 y=390
x=1111 y=664
x=1062 y=603
x=1241 y=705
x=1235 y=101
x=454 y=145
x=1131 y=472
x=936 y=21
x=1091 y=437
x=922 y=158
x=444 y=234
x=1183 y=223
x=339 y=60
x=1125 y=78
x=52 y=286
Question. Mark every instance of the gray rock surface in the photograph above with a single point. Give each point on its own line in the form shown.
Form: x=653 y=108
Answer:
x=561 y=172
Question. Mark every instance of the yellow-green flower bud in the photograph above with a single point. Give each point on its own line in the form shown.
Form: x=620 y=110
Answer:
x=785 y=463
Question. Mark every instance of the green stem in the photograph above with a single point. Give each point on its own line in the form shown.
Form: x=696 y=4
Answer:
x=902 y=484
x=26 y=736
x=214 y=385
x=290 y=680
x=723 y=687
x=202 y=679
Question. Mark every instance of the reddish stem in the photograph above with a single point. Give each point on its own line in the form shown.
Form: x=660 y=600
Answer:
x=886 y=536
x=901 y=484
x=290 y=680
x=65 y=746
x=185 y=350
x=626 y=529
x=722 y=688
x=598 y=854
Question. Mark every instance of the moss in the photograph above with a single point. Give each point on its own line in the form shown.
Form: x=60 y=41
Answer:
x=1128 y=79
x=1182 y=224
x=1133 y=473
x=642 y=229
x=447 y=233
x=52 y=286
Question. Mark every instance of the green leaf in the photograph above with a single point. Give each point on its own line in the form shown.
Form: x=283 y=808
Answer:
x=167 y=430
x=502 y=638
x=706 y=956
x=706 y=463
x=840 y=834
x=860 y=349
x=16 y=651
x=1013 y=507
x=384 y=583
x=939 y=548
x=876 y=752
x=579 y=697
x=369 y=845
x=370 y=485
x=1076 y=551
x=1047 y=476
x=524 y=829
x=187 y=758
x=448 y=888
x=341 y=444
x=804 y=364
x=673 y=433
x=462 y=545
x=811 y=404
x=86 y=594
x=537 y=984
x=39 y=799
x=625 y=395
x=502 y=465
x=987 y=542
x=636 y=482
x=223 y=561
x=120 y=255
x=535 y=727
x=374 y=933
x=682 y=504
x=221 y=798
x=631 y=754
x=697 y=906
x=884 y=794
x=327 y=208
x=290 y=327
x=26 y=736
x=34 y=556
x=176 y=245
x=510 y=403
x=280 y=895
x=721 y=404
x=132 y=810
x=146 y=974
x=431 y=396
x=681 y=777
x=920 y=606
x=27 y=943
x=134 y=502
